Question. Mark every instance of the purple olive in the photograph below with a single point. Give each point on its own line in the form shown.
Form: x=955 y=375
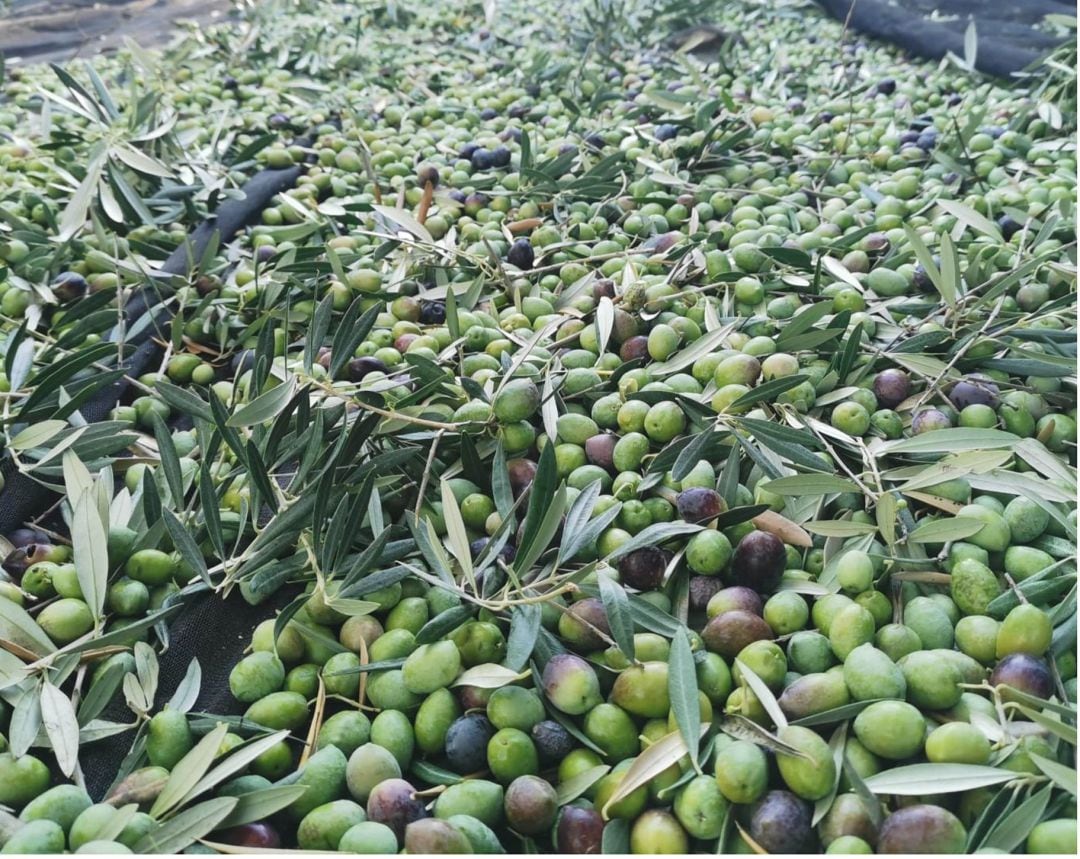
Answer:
x=600 y=448
x=891 y=387
x=579 y=830
x=521 y=254
x=360 y=367
x=634 y=347
x=728 y=633
x=759 y=561
x=1026 y=673
x=972 y=391
x=699 y=504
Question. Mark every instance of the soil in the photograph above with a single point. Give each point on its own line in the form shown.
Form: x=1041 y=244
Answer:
x=62 y=30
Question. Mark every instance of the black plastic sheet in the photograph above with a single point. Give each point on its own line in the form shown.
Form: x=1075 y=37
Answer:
x=1011 y=33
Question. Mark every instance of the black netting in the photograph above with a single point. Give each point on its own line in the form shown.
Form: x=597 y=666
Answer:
x=208 y=628
x=1011 y=33
x=22 y=498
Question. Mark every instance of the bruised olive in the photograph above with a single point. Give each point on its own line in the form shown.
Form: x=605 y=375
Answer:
x=781 y=823
x=585 y=624
x=643 y=569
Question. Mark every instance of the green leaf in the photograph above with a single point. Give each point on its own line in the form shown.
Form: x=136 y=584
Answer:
x=926 y=779
x=264 y=407
x=768 y=391
x=236 y=762
x=351 y=332
x=837 y=745
x=811 y=484
x=187 y=691
x=524 y=630
x=655 y=534
x=530 y=552
x=90 y=550
x=617 y=609
x=18 y=627
x=952 y=440
x=665 y=752
x=187 y=827
x=1014 y=828
x=489 y=676
x=261 y=804
x=701 y=347
x=763 y=694
x=188 y=772
x=320 y=324
x=574 y=787
x=945 y=530
x=683 y=692
x=36 y=435
x=61 y=727
x=455 y=531
x=691 y=454
x=926 y=259
x=170 y=462
x=1061 y=775
x=186 y=545
x=840 y=528
x=970 y=218
x=443 y=623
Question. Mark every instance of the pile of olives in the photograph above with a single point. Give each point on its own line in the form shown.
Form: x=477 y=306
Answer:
x=656 y=452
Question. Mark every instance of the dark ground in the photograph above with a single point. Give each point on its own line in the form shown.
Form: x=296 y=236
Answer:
x=59 y=30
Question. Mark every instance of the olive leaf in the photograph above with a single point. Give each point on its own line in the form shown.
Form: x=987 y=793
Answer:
x=683 y=692
x=25 y=720
x=619 y=618
x=763 y=693
x=61 y=727
x=665 y=752
x=18 y=627
x=922 y=779
x=840 y=528
x=837 y=743
x=187 y=827
x=455 y=532
x=524 y=629
x=1061 y=775
x=573 y=787
x=188 y=772
x=237 y=761
x=489 y=676
x=951 y=440
x=945 y=530
x=187 y=692
x=264 y=407
x=1013 y=828
x=811 y=484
